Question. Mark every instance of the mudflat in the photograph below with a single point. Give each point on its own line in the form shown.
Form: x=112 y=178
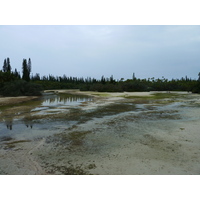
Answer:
x=15 y=100
x=115 y=133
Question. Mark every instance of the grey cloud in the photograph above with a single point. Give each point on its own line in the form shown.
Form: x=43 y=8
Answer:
x=149 y=51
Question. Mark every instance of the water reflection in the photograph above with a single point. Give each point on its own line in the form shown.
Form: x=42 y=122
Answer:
x=25 y=113
x=28 y=122
x=10 y=126
x=9 y=123
x=65 y=100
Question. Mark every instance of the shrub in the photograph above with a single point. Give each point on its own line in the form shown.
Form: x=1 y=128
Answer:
x=20 y=88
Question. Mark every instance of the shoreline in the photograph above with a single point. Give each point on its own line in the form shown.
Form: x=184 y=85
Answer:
x=15 y=100
x=159 y=139
x=21 y=99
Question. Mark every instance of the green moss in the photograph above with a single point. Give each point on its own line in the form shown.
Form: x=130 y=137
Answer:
x=101 y=94
x=165 y=95
x=154 y=96
x=138 y=97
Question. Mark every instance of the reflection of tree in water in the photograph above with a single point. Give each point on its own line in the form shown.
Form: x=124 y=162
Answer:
x=27 y=121
x=9 y=124
x=27 y=125
x=59 y=99
x=67 y=99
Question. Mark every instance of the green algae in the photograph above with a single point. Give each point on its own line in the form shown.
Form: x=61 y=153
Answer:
x=11 y=145
x=71 y=169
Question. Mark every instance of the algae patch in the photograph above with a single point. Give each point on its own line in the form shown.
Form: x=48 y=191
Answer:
x=10 y=145
x=75 y=138
x=71 y=169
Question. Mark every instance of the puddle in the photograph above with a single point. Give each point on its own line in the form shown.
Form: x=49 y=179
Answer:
x=36 y=117
x=64 y=100
x=55 y=113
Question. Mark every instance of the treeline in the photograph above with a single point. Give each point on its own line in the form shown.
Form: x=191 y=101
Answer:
x=112 y=85
x=14 y=84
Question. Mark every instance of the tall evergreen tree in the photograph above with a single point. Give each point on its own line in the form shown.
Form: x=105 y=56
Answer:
x=16 y=74
x=29 y=66
x=8 y=65
x=25 y=71
x=5 y=66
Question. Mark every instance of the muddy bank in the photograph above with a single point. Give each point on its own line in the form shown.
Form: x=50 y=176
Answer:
x=112 y=134
x=15 y=100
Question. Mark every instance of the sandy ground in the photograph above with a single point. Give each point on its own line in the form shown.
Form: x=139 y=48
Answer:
x=104 y=94
x=161 y=140
x=14 y=100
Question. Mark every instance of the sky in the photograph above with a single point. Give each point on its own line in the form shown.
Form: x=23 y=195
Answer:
x=104 y=50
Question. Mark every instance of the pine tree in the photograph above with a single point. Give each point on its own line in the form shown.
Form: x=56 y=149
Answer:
x=29 y=66
x=16 y=74
x=5 y=66
x=8 y=65
x=25 y=71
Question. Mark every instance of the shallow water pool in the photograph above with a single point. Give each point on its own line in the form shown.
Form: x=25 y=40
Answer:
x=36 y=117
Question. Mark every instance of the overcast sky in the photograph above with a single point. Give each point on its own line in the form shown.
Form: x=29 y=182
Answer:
x=93 y=51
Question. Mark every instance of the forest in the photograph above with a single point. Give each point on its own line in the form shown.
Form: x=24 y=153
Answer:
x=12 y=83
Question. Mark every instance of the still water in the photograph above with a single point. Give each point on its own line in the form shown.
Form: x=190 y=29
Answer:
x=37 y=117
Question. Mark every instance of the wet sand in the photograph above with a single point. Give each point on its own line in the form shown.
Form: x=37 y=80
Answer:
x=117 y=133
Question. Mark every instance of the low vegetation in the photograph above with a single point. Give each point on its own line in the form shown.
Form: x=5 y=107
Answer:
x=20 y=88
x=13 y=84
